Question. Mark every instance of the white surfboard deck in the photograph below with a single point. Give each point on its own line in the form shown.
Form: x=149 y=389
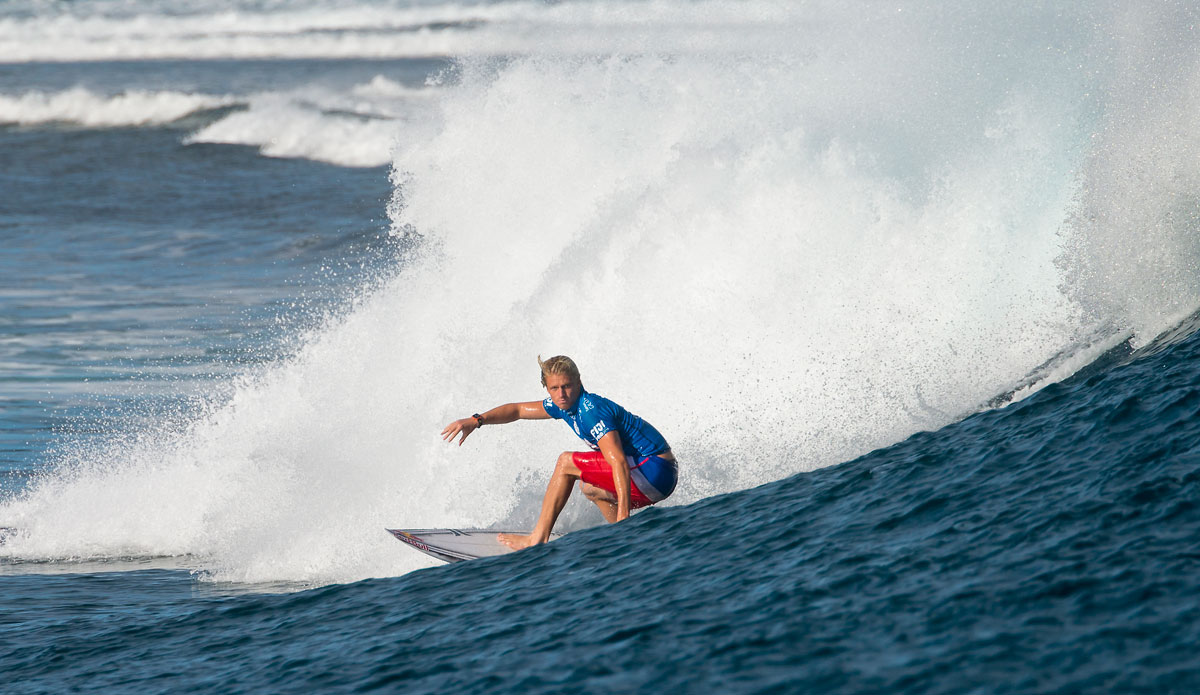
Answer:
x=456 y=544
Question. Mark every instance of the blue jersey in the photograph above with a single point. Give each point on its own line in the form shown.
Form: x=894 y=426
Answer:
x=595 y=416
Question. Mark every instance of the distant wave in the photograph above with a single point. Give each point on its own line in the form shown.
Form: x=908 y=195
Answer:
x=173 y=30
x=83 y=107
x=356 y=127
x=105 y=31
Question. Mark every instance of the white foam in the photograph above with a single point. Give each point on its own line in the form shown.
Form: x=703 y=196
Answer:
x=782 y=257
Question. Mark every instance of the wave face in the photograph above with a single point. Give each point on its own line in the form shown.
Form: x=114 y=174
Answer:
x=785 y=251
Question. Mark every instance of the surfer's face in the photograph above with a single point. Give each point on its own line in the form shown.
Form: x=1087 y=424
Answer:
x=563 y=390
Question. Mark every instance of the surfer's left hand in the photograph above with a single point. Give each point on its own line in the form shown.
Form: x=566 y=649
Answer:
x=464 y=426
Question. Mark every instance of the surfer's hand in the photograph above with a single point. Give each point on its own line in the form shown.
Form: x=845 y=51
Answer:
x=464 y=427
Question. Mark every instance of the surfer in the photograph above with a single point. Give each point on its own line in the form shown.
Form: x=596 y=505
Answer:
x=630 y=464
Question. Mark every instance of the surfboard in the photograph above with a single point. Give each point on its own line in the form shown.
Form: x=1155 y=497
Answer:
x=454 y=544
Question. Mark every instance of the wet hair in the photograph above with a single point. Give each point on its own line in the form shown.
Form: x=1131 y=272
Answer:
x=560 y=364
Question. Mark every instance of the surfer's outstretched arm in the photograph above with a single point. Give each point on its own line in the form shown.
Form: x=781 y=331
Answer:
x=500 y=415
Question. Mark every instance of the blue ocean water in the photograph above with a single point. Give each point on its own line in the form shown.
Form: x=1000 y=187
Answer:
x=911 y=290
x=123 y=266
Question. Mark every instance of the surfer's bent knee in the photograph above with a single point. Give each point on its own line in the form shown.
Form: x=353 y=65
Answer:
x=566 y=464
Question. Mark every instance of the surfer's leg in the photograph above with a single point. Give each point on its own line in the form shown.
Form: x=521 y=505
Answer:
x=604 y=500
x=557 y=493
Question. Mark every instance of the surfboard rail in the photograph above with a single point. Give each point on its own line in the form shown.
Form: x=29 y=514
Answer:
x=456 y=545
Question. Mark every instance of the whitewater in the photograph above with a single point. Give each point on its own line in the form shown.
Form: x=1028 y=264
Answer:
x=259 y=254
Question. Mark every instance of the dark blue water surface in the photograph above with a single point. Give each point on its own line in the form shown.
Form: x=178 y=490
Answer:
x=1051 y=546
x=135 y=266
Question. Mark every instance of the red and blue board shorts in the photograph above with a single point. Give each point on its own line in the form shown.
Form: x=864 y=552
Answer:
x=652 y=479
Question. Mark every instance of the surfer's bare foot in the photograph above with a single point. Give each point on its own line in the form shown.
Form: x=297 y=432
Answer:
x=516 y=541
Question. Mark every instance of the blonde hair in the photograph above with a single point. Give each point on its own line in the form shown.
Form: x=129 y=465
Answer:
x=560 y=364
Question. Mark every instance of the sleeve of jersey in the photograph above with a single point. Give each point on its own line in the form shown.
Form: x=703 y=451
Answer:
x=552 y=410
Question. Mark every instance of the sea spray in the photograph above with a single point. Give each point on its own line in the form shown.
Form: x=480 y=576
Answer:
x=697 y=223
x=1132 y=252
